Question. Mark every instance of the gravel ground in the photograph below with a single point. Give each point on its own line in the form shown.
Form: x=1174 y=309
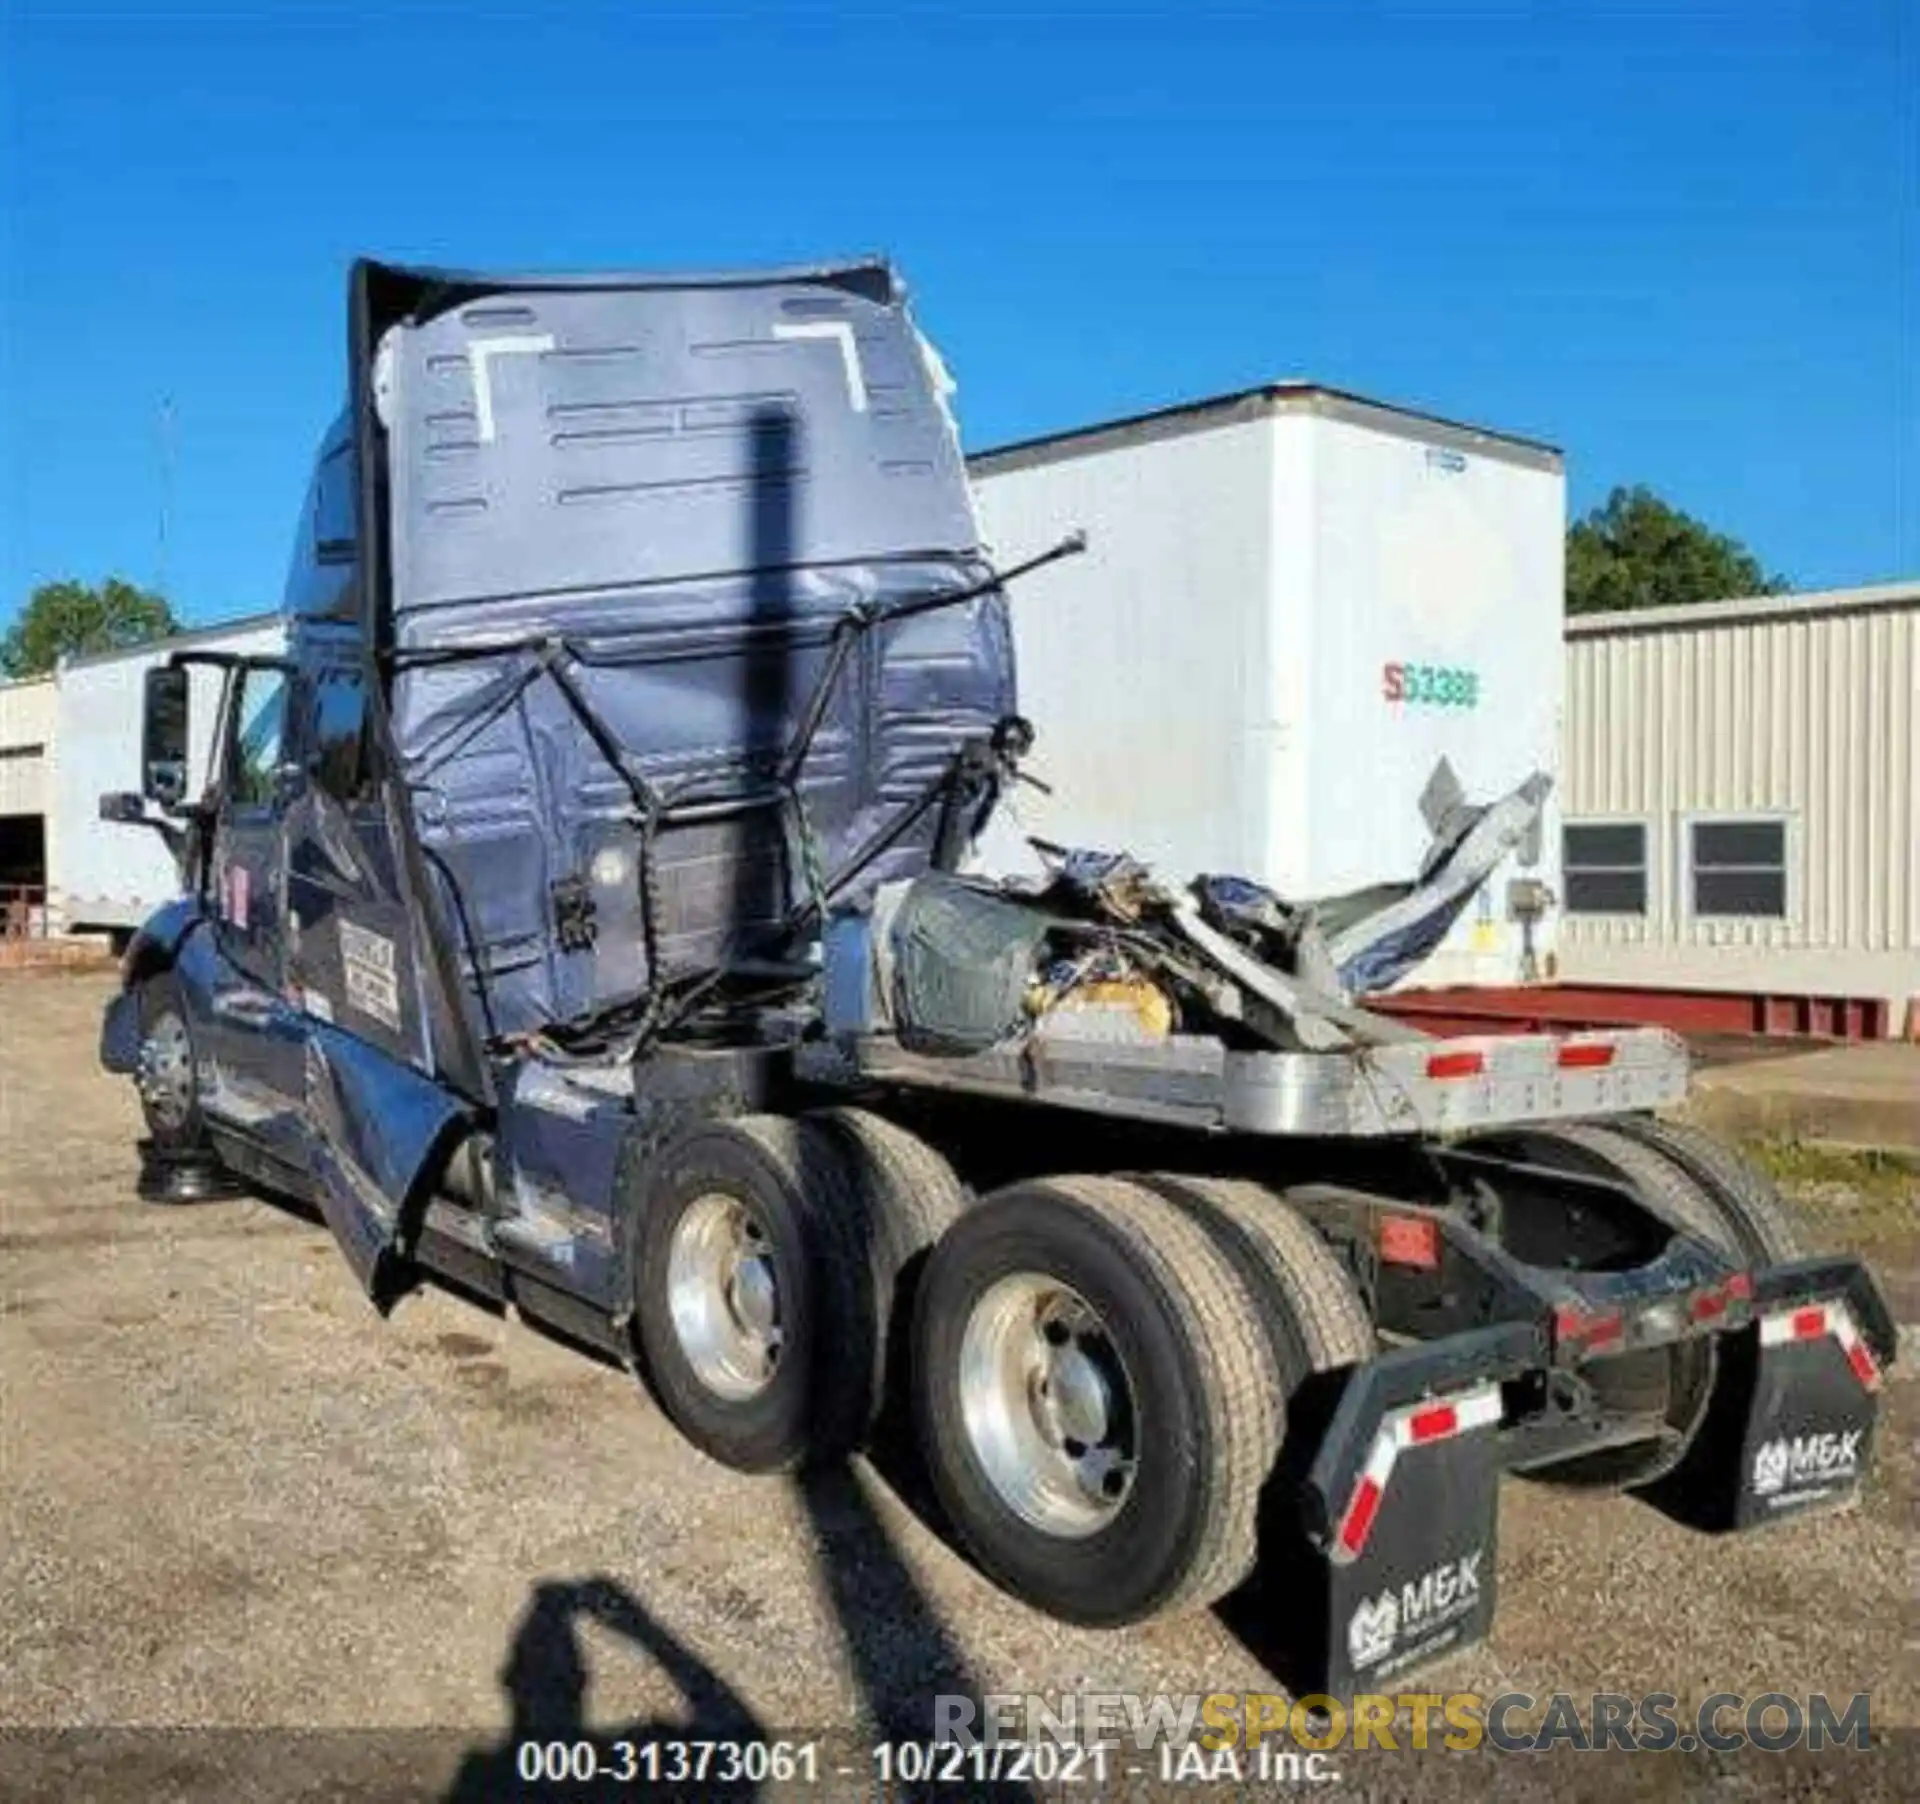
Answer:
x=236 y=1499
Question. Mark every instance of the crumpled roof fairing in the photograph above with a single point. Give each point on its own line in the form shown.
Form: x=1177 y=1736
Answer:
x=625 y=521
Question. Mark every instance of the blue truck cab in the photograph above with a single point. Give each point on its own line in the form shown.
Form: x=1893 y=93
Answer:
x=584 y=912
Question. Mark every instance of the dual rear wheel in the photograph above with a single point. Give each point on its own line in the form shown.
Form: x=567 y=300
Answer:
x=1101 y=1377
x=1097 y=1369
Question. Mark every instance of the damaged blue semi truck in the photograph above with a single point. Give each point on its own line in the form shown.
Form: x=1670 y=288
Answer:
x=585 y=914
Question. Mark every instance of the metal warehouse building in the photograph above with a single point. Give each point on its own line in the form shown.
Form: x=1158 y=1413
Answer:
x=26 y=795
x=1740 y=786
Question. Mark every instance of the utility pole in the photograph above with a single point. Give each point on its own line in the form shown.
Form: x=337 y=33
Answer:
x=164 y=431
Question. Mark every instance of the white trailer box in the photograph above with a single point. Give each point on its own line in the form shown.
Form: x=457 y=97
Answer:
x=1295 y=604
x=104 y=874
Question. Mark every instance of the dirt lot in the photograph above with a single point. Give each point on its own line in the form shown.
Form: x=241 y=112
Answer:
x=233 y=1498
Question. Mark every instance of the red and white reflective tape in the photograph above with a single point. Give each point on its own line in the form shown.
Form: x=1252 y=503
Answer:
x=1415 y=1425
x=1813 y=1321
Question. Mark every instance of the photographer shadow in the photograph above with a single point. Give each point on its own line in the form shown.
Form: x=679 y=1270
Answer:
x=546 y=1680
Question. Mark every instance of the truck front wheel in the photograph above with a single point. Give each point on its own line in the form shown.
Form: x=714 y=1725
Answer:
x=168 y=1080
x=1096 y=1399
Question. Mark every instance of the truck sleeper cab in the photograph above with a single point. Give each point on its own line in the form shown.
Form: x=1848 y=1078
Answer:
x=578 y=914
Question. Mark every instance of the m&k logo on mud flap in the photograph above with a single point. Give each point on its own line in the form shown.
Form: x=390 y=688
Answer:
x=1396 y=1618
x=1373 y=1629
x=1806 y=1459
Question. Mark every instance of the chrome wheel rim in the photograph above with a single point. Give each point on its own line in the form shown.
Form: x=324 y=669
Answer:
x=1048 y=1405
x=724 y=1296
x=166 y=1072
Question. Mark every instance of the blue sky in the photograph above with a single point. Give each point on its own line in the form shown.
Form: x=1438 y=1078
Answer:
x=1679 y=240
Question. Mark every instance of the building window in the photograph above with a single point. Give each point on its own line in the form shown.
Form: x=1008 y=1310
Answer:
x=1738 y=868
x=1604 y=867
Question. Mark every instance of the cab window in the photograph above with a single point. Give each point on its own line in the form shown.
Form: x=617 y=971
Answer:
x=260 y=729
x=338 y=738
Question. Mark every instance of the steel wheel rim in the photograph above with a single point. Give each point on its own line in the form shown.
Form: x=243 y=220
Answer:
x=1048 y=1406
x=166 y=1072
x=724 y=1296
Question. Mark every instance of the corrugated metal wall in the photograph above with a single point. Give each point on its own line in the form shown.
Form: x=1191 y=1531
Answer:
x=1803 y=707
x=26 y=746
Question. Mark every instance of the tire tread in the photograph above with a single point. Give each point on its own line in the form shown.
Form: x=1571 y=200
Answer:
x=1748 y=1200
x=1234 y=1359
x=1313 y=1314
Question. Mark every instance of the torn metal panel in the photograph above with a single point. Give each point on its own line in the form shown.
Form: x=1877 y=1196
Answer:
x=556 y=1154
x=1380 y=948
x=376 y=1127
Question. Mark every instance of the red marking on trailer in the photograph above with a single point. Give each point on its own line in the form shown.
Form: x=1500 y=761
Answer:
x=1716 y=1300
x=1585 y=1055
x=1415 y=1425
x=1787 y=1326
x=1360 y=1514
x=1573 y=1322
x=1863 y=1367
x=1456 y=1064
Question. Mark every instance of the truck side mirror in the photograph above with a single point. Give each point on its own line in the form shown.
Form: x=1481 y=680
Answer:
x=123 y=807
x=163 y=738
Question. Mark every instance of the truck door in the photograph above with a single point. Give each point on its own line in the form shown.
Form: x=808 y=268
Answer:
x=255 y=1036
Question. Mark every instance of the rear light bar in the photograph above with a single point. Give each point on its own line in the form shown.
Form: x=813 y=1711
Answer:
x=1569 y=1055
x=1815 y=1320
x=1417 y=1425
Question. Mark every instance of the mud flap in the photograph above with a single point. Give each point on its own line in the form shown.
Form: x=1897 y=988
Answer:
x=1790 y=1427
x=1380 y=1557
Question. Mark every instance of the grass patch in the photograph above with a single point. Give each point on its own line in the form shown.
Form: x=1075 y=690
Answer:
x=1864 y=1197
x=1874 y=1170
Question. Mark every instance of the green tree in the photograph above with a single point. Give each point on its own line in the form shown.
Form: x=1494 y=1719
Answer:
x=69 y=619
x=1637 y=552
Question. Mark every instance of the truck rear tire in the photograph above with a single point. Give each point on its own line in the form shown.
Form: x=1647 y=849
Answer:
x=1749 y=1205
x=1096 y=1398
x=1684 y=1372
x=727 y=1291
x=1314 y=1316
x=905 y=1196
x=773 y=1262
